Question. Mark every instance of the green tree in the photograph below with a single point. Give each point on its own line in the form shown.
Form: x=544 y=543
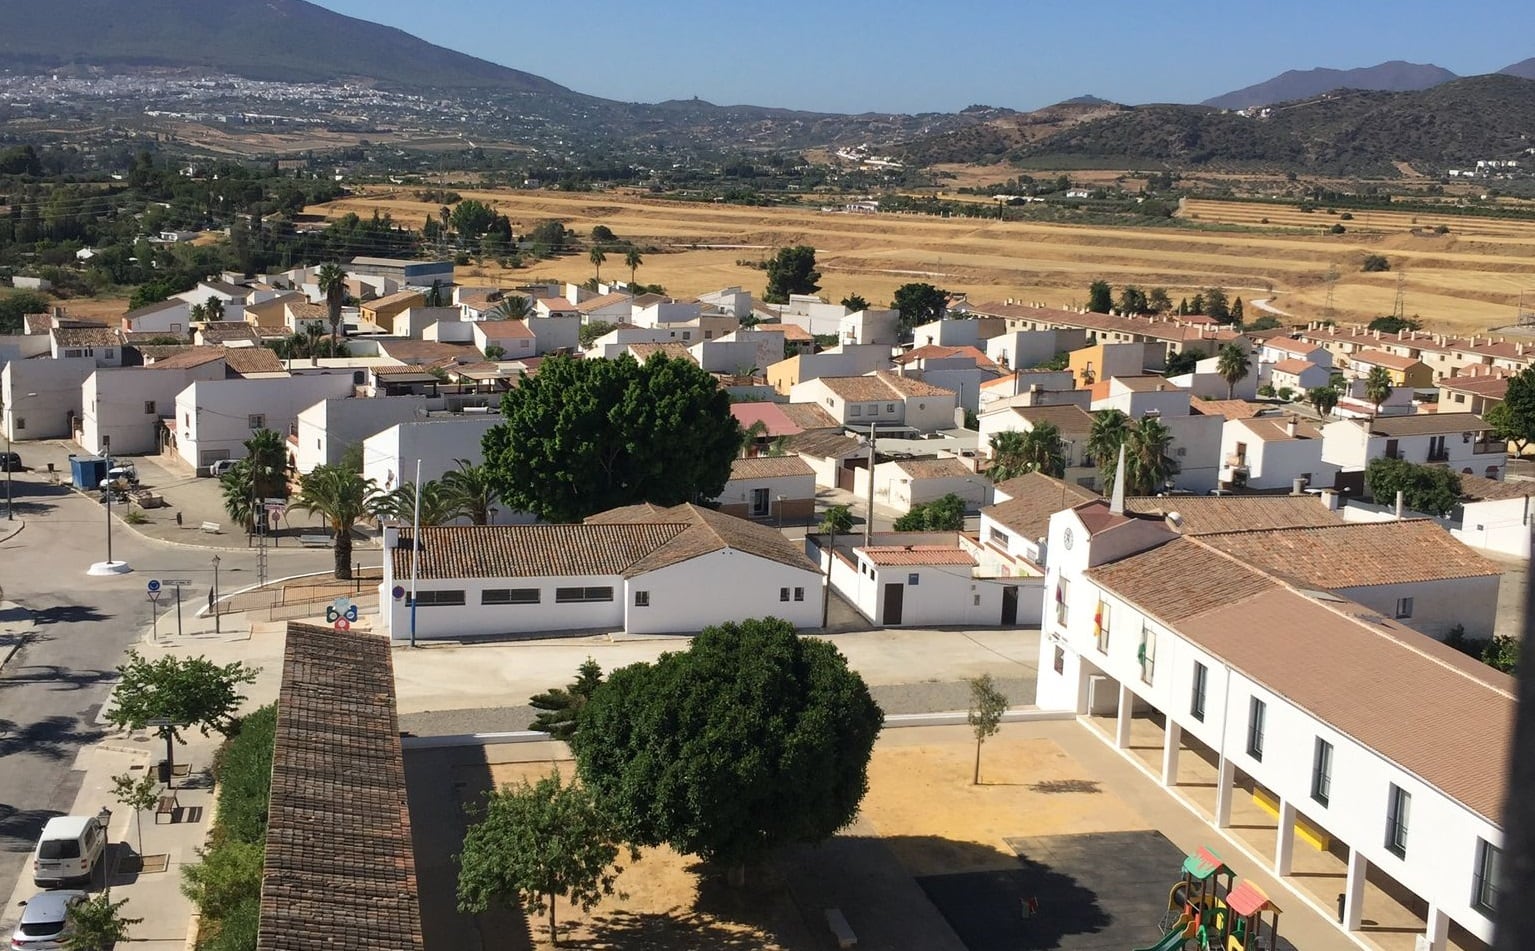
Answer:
x=225 y=876
x=1100 y=297
x=1216 y=307
x=471 y=491
x=559 y=709
x=494 y=351
x=1502 y=652
x=137 y=793
x=584 y=436
x=472 y=218
x=791 y=271
x=594 y=331
x=1132 y=300
x=1513 y=420
x=1197 y=305
x=919 y=303
x=1158 y=301
x=1040 y=449
x=602 y=234
x=189 y=692
x=1323 y=399
x=331 y=280
x=1104 y=439
x=1265 y=322
x=946 y=514
x=511 y=307
x=1184 y=361
x=1432 y=489
x=598 y=257
x=1377 y=388
x=987 y=704
x=855 y=303
x=97 y=924
x=837 y=520
x=1233 y=364
x=437 y=504
x=262 y=474
x=751 y=738
x=1237 y=312
x=632 y=260
x=535 y=843
x=1149 y=463
x=1390 y=324
x=341 y=496
x=1375 y=263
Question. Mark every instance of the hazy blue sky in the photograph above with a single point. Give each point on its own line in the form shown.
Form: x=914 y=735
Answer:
x=906 y=56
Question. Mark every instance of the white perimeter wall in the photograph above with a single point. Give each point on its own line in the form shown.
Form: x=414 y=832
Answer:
x=721 y=586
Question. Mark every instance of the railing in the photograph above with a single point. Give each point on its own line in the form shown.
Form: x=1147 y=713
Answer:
x=1439 y=455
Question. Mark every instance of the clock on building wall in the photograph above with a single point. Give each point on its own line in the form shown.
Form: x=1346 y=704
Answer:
x=1066 y=538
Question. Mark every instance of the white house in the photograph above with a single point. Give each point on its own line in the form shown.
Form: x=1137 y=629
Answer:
x=664 y=312
x=413 y=321
x=1352 y=725
x=766 y=340
x=1271 y=453
x=555 y=332
x=128 y=404
x=780 y=488
x=100 y=344
x=213 y=419
x=513 y=338
x=1496 y=516
x=640 y=569
x=854 y=360
x=42 y=398
x=870 y=326
x=171 y=317
x=1297 y=376
x=969 y=332
x=1073 y=423
x=1013 y=529
x=881 y=399
x=1021 y=349
x=903 y=483
x=1461 y=441
x=323 y=432
x=962 y=369
x=389 y=456
x=925 y=579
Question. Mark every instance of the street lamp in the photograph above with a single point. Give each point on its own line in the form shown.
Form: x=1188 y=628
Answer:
x=108 y=567
x=213 y=599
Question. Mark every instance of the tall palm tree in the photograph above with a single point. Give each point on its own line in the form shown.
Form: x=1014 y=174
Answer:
x=471 y=491
x=400 y=505
x=1041 y=449
x=332 y=282
x=214 y=308
x=341 y=496
x=1148 y=463
x=262 y=474
x=239 y=497
x=511 y=307
x=1233 y=364
x=597 y=257
x=633 y=259
x=1377 y=387
x=1104 y=440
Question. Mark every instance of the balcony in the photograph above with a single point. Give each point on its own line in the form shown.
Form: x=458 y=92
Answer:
x=1439 y=455
x=1235 y=462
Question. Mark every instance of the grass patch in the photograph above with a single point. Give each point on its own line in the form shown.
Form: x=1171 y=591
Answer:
x=226 y=884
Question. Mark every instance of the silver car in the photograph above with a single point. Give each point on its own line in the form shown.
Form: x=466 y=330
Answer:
x=45 y=922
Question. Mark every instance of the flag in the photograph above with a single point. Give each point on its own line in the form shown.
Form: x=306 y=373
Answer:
x=1098 y=621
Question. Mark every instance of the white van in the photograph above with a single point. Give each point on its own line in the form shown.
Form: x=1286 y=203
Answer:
x=68 y=850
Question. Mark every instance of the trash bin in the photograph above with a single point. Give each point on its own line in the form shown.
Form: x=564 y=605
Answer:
x=164 y=769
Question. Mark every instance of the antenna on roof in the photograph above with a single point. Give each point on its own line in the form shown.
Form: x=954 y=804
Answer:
x=1117 y=500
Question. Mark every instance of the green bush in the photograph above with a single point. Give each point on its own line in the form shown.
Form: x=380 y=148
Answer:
x=236 y=931
x=243 y=770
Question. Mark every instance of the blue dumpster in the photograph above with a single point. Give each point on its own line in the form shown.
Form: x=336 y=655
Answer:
x=87 y=471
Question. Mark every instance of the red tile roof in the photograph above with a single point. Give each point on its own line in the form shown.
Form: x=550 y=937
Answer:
x=915 y=555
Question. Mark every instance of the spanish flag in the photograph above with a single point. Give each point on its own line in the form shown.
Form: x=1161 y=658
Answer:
x=1098 y=622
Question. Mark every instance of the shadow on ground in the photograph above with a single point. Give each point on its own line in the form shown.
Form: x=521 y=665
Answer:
x=53 y=738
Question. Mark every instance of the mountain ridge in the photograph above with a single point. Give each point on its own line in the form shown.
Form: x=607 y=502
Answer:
x=1293 y=84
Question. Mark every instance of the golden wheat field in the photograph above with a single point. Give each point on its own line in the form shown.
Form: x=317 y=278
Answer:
x=1469 y=278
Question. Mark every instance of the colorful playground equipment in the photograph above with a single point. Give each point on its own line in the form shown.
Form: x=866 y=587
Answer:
x=1208 y=905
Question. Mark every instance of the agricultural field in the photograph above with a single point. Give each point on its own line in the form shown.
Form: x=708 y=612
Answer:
x=1468 y=279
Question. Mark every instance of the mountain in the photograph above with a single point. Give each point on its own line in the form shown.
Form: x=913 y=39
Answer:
x=1395 y=76
x=274 y=39
x=1524 y=69
x=1002 y=133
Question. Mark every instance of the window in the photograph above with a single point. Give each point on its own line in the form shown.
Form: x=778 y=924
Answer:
x=889 y=407
x=1062 y=592
x=855 y=410
x=109 y=353
x=21 y=422
x=799 y=594
x=1404 y=607
x=783 y=594
x=642 y=599
x=1201 y=684
x=1257 y=712
x=149 y=407
x=1060 y=661
x=1321 y=771
x=913 y=578
x=976 y=600
x=256 y=421
x=999 y=538
x=1484 y=884
x=1398 y=809
x=510 y=596
x=582 y=595
x=1147 y=654
x=438 y=599
x=1101 y=628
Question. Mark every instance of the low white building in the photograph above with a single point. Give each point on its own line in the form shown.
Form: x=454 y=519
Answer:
x=1496 y=516
x=171 y=317
x=129 y=404
x=1461 y=441
x=213 y=419
x=1297 y=376
x=778 y=488
x=904 y=483
x=323 y=432
x=101 y=344
x=1013 y=529
x=925 y=579
x=870 y=326
x=1272 y=452
x=389 y=456
x=640 y=569
x=513 y=337
x=882 y=399
x=42 y=398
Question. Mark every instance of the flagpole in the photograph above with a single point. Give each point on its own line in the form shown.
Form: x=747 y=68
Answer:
x=415 y=552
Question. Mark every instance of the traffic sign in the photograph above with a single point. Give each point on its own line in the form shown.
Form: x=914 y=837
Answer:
x=176 y=582
x=398 y=591
x=341 y=613
x=159 y=721
x=154 y=586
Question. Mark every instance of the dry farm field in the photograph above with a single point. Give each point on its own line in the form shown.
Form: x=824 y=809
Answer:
x=1468 y=279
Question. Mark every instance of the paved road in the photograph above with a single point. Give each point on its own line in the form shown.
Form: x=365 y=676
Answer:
x=53 y=688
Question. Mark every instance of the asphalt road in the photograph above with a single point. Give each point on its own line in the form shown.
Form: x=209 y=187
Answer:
x=52 y=689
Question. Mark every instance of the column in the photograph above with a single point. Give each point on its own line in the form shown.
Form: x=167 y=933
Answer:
x=1438 y=929
x=1172 y=742
x=1225 y=789
x=1284 y=840
x=1126 y=712
x=1353 y=902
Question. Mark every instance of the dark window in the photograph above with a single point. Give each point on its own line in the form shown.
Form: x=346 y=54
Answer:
x=783 y=594
x=1484 y=888
x=1398 y=810
x=642 y=599
x=427 y=599
x=580 y=595
x=510 y=596
x=1321 y=771
x=149 y=407
x=1060 y=661
x=913 y=578
x=1404 y=607
x=1201 y=680
x=1257 y=712
x=59 y=849
x=799 y=594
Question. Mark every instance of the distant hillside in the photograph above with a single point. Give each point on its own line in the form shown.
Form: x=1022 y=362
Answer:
x=1003 y=133
x=273 y=39
x=1524 y=69
x=1395 y=76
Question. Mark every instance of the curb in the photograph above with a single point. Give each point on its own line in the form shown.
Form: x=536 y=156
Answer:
x=22 y=636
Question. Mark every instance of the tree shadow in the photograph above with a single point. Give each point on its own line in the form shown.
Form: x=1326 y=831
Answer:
x=55 y=738
x=19 y=828
x=57 y=676
x=664 y=931
x=69 y=614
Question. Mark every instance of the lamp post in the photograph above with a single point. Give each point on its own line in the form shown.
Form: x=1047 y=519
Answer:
x=213 y=600
x=106 y=450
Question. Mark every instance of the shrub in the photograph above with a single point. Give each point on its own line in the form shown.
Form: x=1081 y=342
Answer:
x=1375 y=262
x=1346 y=216
x=1266 y=390
x=1337 y=229
x=1441 y=229
x=135 y=517
x=1286 y=394
x=243 y=769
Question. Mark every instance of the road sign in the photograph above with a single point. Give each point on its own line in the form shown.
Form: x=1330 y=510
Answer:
x=398 y=591
x=154 y=596
x=175 y=582
x=154 y=586
x=341 y=613
x=159 y=721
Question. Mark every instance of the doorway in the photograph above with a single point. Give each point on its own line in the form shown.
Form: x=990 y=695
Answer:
x=894 y=596
x=1010 y=604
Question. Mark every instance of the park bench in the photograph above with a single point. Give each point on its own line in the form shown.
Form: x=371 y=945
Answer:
x=212 y=528
x=166 y=806
x=314 y=541
x=840 y=929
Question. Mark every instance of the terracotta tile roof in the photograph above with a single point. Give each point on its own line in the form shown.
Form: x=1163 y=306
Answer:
x=1069 y=419
x=504 y=329
x=1181 y=580
x=1299 y=348
x=1293 y=367
x=248 y=360
x=429 y=352
x=936 y=352
x=401 y=369
x=144 y=336
x=1397 y=692
x=606 y=300
x=896 y=555
x=1427 y=424
x=478 y=297
x=675 y=351
x=152 y=353
x=340 y=870
x=1156 y=328
x=792 y=333
x=1275 y=428
x=187 y=358
x=936 y=469
x=1481 y=489
x=1035 y=497
x=225 y=331
x=824 y=444
x=1231 y=409
x=1147 y=383
x=769 y=467
x=398 y=298
x=154 y=308
x=1492 y=387
x=882 y=385
x=1097 y=518
x=270 y=313
x=809 y=416
x=1356 y=554
x=646 y=300
x=1380 y=358
x=38 y=323
x=1206 y=514
x=86 y=337
x=556 y=304
x=303 y=310
x=770 y=415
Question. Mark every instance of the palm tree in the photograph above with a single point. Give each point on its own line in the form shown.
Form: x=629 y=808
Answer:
x=1148 y=464
x=1377 y=387
x=512 y=307
x=400 y=505
x=214 y=309
x=341 y=496
x=332 y=282
x=1233 y=364
x=471 y=491
x=1103 y=442
x=262 y=474
x=239 y=495
x=197 y=312
x=633 y=259
x=1041 y=449
x=597 y=257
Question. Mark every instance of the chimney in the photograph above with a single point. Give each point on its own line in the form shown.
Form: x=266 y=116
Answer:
x=1400 y=334
x=1377 y=335
x=1400 y=504
x=1297 y=486
x=1330 y=499
x=1291 y=427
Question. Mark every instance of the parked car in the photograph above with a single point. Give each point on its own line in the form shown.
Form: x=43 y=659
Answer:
x=45 y=923
x=69 y=850
x=217 y=469
x=10 y=462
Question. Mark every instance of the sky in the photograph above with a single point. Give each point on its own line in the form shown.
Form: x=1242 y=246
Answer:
x=937 y=56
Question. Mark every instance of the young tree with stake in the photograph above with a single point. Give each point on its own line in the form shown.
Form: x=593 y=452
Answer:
x=987 y=704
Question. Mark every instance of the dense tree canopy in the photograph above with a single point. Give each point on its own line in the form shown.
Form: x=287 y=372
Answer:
x=1514 y=418
x=919 y=303
x=584 y=436
x=1432 y=489
x=1100 y=297
x=752 y=738
x=190 y=692
x=946 y=514
x=791 y=271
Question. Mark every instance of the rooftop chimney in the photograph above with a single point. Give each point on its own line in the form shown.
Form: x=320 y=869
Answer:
x=1291 y=427
x=1330 y=499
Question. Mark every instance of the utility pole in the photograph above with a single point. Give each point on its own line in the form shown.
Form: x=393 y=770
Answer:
x=415 y=552
x=868 y=523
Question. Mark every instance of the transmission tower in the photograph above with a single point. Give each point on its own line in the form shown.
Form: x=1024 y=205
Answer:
x=1332 y=283
x=1399 y=308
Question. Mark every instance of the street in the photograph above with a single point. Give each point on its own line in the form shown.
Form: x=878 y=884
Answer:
x=52 y=689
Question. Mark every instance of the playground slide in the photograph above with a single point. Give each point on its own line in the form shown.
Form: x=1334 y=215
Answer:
x=1176 y=938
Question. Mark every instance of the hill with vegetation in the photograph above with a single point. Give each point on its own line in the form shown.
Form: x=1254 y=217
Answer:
x=1395 y=76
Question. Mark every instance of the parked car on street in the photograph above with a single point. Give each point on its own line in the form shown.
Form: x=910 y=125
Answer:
x=44 y=924
x=217 y=469
x=10 y=462
x=69 y=849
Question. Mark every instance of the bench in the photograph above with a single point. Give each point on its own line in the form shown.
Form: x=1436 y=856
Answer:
x=212 y=528
x=166 y=806
x=837 y=922
x=314 y=541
